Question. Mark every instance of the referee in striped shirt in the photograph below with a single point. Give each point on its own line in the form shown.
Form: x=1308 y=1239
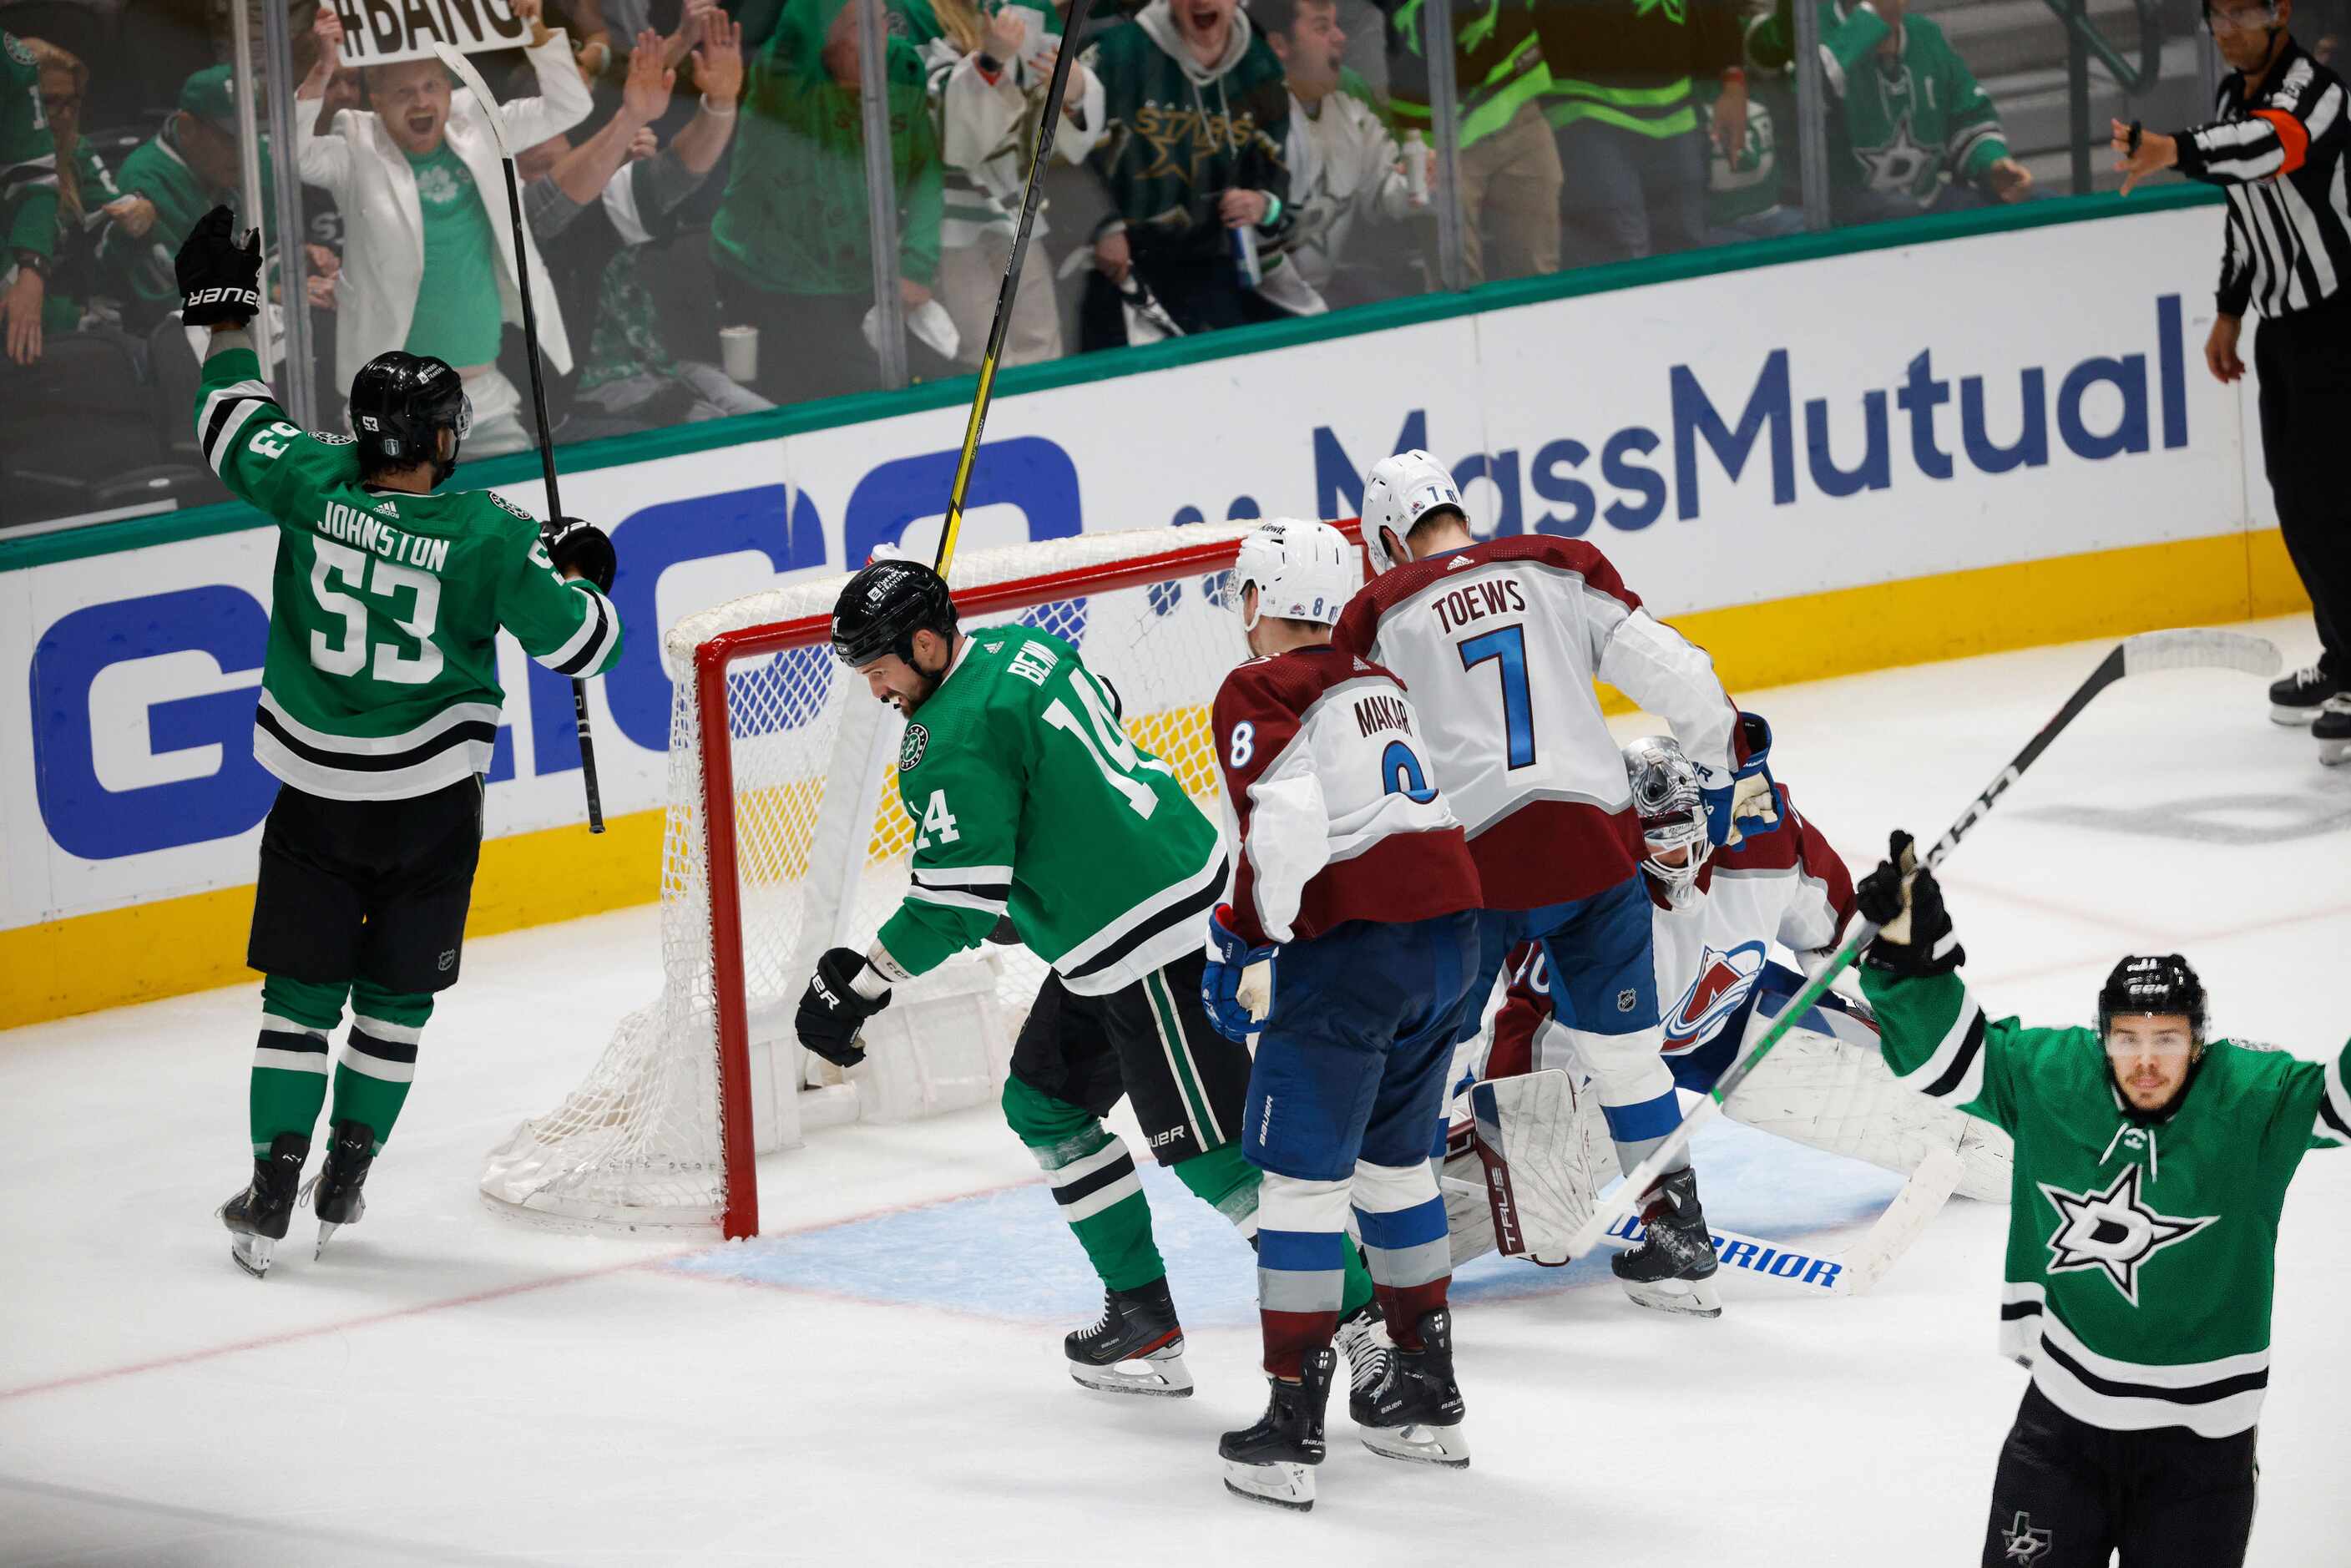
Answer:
x=2278 y=149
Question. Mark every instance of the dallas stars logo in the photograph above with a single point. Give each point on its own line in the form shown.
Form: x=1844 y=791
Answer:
x=1898 y=164
x=2113 y=1230
x=2025 y=1543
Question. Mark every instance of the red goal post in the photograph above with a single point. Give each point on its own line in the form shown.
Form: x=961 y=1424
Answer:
x=784 y=836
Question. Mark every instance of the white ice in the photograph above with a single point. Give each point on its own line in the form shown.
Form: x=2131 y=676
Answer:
x=448 y=1387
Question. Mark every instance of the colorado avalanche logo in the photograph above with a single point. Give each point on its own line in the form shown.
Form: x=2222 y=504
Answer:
x=1724 y=980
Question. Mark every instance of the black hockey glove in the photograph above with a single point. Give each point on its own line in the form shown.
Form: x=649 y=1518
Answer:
x=220 y=279
x=831 y=1012
x=576 y=545
x=1914 y=935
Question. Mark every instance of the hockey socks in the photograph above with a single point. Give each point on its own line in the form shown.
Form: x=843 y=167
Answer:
x=290 y=1062
x=379 y=1060
x=1226 y=1180
x=1402 y=1220
x=1302 y=1253
x=1094 y=1182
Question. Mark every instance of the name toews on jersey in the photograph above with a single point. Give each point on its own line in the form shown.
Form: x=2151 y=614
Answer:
x=1328 y=794
x=1501 y=642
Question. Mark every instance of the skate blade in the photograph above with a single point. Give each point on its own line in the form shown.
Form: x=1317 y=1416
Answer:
x=2294 y=718
x=1160 y=1375
x=326 y=1227
x=1279 y=1485
x=1416 y=1444
x=1688 y=1298
x=2335 y=753
x=251 y=1253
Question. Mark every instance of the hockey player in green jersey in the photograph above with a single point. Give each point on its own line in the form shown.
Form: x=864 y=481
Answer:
x=2151 y=1164
x=1908 y=112
x=1030 y=802
x=379 y=709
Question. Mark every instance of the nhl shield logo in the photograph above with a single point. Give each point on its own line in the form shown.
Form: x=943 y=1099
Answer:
x=910 y=749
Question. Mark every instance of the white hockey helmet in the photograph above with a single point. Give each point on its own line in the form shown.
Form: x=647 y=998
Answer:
x=1303 y=570
x=1673 y=813
x=1398 y=493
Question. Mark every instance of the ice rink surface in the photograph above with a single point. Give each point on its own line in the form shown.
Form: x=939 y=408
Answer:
x=877 y=1379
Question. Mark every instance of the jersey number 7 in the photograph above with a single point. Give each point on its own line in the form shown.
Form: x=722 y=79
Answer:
x=1507 y=649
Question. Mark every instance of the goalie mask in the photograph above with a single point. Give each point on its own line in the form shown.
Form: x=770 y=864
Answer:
x=1398 y=493
x=1301 y=570
x=1673 y=813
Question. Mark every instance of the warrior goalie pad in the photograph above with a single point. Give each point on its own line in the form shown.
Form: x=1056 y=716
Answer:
x=1826 y=1086
x=1536 y=1151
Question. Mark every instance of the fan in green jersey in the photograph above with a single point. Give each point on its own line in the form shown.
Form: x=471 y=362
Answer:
x=379 y=710
x=2151 y=1165
x=1031 y=803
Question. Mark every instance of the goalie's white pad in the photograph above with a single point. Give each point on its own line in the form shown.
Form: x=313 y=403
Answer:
x=1525 y=1176
x=1836 y=1093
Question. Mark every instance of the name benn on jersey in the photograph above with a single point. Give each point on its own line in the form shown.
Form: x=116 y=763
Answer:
x=1382 y=710
x=1501 y=596
x=353 y=527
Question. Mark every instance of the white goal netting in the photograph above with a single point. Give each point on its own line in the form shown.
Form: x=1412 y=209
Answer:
x=803 y=797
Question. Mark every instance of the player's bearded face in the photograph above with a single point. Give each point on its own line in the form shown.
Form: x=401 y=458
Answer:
x=906 y=687
x=2150 y=1057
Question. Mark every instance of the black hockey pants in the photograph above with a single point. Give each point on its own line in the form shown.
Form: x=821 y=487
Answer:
x=2069 y=1495
x=2304 y=363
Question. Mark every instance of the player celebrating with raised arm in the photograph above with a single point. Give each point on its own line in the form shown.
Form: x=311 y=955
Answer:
x=1501 y=642
x=1347 y=863
x=379 y=704
x=1029 y=801
x=2151 y=1165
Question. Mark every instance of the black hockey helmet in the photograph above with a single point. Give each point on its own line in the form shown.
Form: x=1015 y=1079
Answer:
x=2153 y=984
x=399 y=401
x=884 y=606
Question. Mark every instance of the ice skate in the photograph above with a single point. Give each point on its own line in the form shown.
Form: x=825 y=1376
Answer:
x=1137 y=1348
x=257 y=1217
x=334 y=1192
x=1415 y=1412
x=2299 y=695
x=1672 y=1270
x=2332 y=730
x=1273 y=1461
x=1365 y=1344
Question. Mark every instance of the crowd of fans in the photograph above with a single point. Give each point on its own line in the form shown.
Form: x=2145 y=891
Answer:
x=697 y=228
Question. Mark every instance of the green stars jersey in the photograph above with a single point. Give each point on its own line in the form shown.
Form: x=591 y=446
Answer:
x=1900 y=123
x=28 y=156
x=1029 y=799
x=382 y=681
x=2140 y=1254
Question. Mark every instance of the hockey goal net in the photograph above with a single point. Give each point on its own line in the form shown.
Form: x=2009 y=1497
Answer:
x=784 y=836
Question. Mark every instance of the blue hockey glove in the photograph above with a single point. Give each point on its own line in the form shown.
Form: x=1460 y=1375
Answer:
x=1237 y=987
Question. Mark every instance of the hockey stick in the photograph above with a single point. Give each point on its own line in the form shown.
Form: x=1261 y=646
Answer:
x=2149 y=651
x=1070 y=32
x=490 y=112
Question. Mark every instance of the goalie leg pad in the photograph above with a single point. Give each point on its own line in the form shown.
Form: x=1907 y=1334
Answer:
x=1537 y=1143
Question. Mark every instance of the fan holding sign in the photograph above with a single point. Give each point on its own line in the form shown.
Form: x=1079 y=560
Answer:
x=424 y=163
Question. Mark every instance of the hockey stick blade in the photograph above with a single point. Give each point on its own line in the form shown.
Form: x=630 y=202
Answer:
x=2201 y=648
x=482 y=95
